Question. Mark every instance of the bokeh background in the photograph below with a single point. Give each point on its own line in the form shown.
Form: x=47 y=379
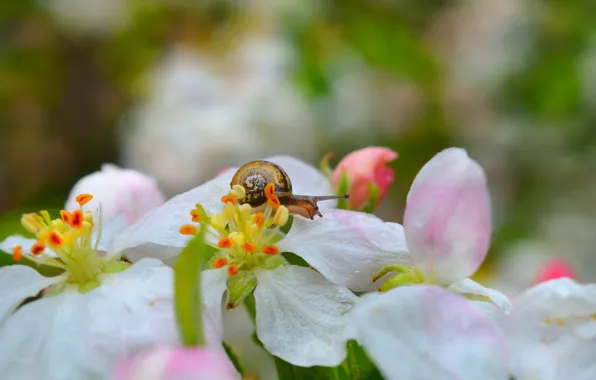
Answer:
x=179 y=89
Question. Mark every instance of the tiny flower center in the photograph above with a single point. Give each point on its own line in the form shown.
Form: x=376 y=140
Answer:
x=70 y=238
x=245 y=240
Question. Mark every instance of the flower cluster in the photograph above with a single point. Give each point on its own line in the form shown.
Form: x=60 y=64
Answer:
x=318 y=290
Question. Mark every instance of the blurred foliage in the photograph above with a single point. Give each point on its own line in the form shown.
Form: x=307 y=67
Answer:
x=62 y=92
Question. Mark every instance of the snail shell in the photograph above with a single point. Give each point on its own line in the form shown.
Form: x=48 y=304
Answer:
x=255 y=175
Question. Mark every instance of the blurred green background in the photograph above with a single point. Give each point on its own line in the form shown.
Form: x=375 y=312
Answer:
x=180 y=89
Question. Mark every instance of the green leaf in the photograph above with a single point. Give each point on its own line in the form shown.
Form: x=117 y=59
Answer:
x=325 y=167
x=187 y=289
x=343 y=188
x=295 y=259
x=358 y=365
x=374 y=192
x=233 y=358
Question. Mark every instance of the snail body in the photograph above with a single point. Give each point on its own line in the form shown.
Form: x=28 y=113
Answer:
x=255 y=175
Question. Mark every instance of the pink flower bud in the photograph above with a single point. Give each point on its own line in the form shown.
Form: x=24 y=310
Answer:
x=365 y=167
x=177 y=363
x=555 y=268
x=122 y=192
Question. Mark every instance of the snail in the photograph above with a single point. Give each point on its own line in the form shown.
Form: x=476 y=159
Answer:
x=255 y=175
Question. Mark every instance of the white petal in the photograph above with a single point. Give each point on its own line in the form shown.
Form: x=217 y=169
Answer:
x=306 y=179
x=579 y=364
x=73 y=336
x=347 y=247
x=157 y=234
x=17 y=282
x=301 y=316
x=12 y=241
x=548 y=324
x=213 y=287
x=426 y=332
x=448 y=217
x=468 y=286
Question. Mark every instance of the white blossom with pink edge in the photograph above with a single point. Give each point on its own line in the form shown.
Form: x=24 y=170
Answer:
x=125 y=196
x=177 y=363
x=428 y=332
x=447 y=224
x=300 y=313
x=347 y=247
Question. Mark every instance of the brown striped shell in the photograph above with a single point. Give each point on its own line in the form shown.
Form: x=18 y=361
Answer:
x=255 y=175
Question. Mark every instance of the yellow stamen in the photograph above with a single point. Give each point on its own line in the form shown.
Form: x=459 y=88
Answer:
x=55 y=239
x=66 y=216
x=30 y=223
x=260 y=219
x=83 y=199
x=224 y=243
x=188 y=229
x=76 y=220
x=238 y=238
x=270 y=190
x=17 y=253
x=220 y=262
x=249 y=247
x=238 y=192
x=229 y=199
x=281 y=216
x=38 y=248
x=270 y=250
x=196 y=217
x=232 y=270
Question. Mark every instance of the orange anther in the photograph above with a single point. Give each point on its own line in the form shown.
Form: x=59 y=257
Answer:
x=188 y=229
x=66 y=216
x=270 y=250
x=196 y=217
x=220 y=262
x=83 y=199
x=270 y=190
x=224 y=242
x=17 y=253
x=249 y=247
x=76 y=219
x=228 y=198
x=260 y=219
x=38 y=248
x=55 y=239
x=232 y=270
x=273 y=202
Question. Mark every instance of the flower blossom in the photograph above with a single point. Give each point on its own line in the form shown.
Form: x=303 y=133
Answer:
x=300 y=314
x=125 y=195
x=549 y=334
x=447 y=225
x=74 y=325
x=175 y=363
x=555 y=268
x=365 y=170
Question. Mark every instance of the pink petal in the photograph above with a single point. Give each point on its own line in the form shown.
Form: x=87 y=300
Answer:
x=177 y=363
x=363 y=167
x=448 y=219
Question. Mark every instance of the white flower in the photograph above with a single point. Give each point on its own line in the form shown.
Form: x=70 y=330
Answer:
x=299 y=312
x=125 y=195
x=97 y=310
x=447 y=225
x=427 y=332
